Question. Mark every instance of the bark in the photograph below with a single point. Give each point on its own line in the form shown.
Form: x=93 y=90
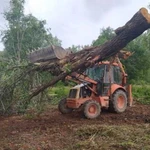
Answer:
x=89 y=56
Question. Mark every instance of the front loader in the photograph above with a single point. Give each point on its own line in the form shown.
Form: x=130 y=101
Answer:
x=103 y=85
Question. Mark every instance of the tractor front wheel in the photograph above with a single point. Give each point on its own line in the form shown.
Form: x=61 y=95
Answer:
x=91 y=109
x=63 y=108
x=118 y=103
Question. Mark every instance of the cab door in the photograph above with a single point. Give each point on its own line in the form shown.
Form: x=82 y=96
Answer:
x=108 y=79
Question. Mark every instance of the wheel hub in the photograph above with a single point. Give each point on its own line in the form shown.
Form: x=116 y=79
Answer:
x=120 y=101
x=92 y=109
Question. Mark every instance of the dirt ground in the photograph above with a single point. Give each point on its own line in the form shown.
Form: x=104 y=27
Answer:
x=54 y=131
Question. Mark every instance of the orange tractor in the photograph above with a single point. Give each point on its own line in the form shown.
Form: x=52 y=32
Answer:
x=102 y=86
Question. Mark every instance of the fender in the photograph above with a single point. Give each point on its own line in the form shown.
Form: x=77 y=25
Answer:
x=115 y=87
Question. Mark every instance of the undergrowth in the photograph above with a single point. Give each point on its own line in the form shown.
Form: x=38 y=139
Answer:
x=112 y=137
x=141 y=93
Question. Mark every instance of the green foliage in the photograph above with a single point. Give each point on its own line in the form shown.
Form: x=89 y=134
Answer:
x=24 y=32
x=77 y=48
x=141 y=93
x=15 y=85
x=58 y=92
x=67 y=67
x=105 y=35
x=9 y=79
x=74 y=48
x=137 y=66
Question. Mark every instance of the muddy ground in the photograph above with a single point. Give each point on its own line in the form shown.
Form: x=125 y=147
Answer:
x=54 y=131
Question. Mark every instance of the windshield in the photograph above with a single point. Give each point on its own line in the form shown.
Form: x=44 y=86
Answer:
x=96 y=73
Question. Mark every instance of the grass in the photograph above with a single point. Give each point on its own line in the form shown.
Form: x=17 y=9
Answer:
x=124 y=137
x=141 y=93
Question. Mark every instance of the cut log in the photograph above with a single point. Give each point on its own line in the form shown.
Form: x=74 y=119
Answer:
x=81 y=60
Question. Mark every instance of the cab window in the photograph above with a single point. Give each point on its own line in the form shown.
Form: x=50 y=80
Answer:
x=117 y=75
x=96 y=73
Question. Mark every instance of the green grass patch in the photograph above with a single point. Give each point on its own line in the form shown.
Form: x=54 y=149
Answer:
x=112 y=137
x=58 y=92
x=141 y=93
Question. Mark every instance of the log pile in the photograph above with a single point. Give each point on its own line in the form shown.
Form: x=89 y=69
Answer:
x=79 y=61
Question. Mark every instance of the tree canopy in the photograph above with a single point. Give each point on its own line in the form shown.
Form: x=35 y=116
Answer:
x=24 y=32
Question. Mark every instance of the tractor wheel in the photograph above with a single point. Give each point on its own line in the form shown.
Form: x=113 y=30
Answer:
x=62 y=107
x=118 y=103
x=91 y=109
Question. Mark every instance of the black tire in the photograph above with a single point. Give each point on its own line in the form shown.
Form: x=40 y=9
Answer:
x=91 y=109
x=118 y=103
x=62 y=107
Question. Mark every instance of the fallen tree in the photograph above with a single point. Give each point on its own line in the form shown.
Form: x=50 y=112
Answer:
x=20 y=78
x=81 y=60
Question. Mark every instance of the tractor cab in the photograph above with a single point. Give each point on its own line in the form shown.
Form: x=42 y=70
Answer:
x=105 y=75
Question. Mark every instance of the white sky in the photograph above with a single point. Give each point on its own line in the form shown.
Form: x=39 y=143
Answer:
x=79 y=22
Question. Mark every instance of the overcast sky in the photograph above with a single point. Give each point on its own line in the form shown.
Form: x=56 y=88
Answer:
x=79 y=22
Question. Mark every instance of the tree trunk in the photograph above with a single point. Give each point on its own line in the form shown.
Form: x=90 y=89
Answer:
x=81 y=60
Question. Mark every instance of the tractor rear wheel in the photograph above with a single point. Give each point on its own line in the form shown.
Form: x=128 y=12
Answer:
x=118 y=103
x=91 y=109
x=63 y=108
